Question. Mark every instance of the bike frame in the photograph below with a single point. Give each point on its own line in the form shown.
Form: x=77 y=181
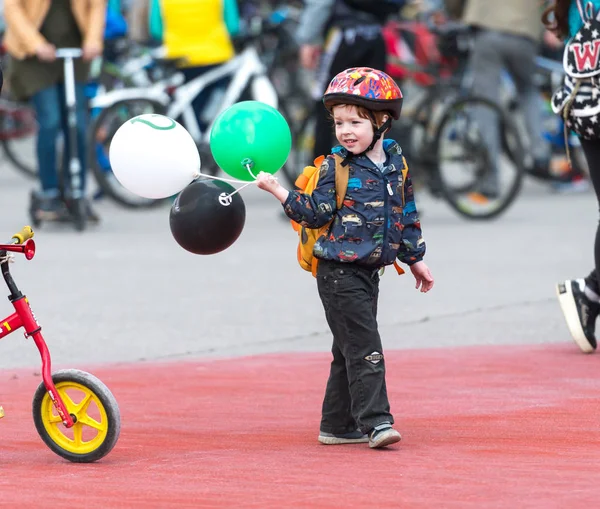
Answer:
x=244 y=68
x=24 y=317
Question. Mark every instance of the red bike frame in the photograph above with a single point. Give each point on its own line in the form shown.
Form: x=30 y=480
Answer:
x=24 y=317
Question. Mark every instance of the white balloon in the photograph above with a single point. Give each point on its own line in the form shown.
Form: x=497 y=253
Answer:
x=153 y=156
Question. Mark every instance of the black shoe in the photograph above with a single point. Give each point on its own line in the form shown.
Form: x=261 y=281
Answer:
x=580 y=313
x=48 y=209
x=91 y=215
x=541 y=171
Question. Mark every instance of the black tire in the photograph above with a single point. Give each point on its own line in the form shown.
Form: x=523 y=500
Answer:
x=18 y=132
x=303 y=139
x=103 y=127
x=475 y=149
x=42 y=405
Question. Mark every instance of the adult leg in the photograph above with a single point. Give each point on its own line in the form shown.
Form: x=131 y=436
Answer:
x=486 y=65
x=591 y=150
x=519 y=55
x=46 y=104
x=580 y=299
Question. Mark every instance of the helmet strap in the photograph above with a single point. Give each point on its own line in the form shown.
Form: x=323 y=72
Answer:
x=377 y=133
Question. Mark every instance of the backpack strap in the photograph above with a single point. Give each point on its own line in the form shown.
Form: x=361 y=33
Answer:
x=342 y=175
x=397 y=266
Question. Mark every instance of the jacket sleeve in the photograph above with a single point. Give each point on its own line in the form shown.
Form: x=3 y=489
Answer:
x=94 y=32
x=412 y=247
x=316 y=209
x=24 y=29
x=312 y=23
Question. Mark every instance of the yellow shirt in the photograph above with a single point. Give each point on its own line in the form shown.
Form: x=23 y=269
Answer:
x=196 y=30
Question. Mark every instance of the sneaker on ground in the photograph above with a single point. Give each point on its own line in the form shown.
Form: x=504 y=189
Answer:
x=580 y=313
x=354 y=437
x=383 y=435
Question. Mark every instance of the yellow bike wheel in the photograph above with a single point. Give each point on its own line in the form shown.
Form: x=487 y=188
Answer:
x=92 y=406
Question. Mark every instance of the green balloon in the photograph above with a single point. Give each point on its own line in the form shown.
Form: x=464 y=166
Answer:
x=250 y=133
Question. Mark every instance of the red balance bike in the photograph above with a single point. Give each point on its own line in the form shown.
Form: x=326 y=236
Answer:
x=76 y=415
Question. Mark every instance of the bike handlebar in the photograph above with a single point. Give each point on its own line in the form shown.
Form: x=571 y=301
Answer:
x=25 y=234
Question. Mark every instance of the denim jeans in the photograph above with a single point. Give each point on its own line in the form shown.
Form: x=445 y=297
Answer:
x=51 y=113
x=356 y=394
x=492 y=52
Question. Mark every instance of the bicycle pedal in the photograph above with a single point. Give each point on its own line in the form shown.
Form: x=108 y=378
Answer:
x=1 y=412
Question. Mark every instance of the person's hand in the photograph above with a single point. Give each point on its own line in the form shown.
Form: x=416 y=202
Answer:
x=90 y=52
x=422 y=276
x=309 y=55
x=551 y=40
x=267 y=182
x=46 y=52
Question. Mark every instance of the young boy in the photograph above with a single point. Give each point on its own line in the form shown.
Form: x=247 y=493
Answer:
x=377 y=223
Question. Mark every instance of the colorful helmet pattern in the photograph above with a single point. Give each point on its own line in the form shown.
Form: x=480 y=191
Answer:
x=363 y=86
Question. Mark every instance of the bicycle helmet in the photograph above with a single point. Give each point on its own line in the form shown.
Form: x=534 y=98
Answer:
x=364 y=86
x=370 y=88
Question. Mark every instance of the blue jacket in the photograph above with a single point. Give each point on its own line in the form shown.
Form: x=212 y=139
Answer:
x=378 y=221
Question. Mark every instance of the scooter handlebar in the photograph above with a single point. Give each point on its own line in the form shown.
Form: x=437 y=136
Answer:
x=25 y=234
x=69 y=53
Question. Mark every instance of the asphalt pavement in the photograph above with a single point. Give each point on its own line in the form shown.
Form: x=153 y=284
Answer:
x=124 y=291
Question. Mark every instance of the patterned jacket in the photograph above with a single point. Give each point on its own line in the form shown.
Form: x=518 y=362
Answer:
x=378 y=220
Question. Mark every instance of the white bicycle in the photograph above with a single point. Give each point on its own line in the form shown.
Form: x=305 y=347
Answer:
x=248 y=80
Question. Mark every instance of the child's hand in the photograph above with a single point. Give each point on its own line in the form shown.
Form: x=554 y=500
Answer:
x=423 y=276
x=269 y=183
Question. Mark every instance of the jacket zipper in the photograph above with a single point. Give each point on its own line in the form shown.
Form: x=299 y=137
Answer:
x=388 y=191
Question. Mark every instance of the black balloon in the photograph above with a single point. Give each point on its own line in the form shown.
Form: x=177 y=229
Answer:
x=204 y=220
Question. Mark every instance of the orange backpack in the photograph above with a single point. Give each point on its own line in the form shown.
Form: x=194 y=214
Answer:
x=307 y=182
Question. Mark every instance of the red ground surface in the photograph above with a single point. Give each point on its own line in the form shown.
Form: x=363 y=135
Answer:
x=484 y=427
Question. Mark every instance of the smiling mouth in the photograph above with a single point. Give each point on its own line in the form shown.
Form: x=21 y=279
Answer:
x=350 y=141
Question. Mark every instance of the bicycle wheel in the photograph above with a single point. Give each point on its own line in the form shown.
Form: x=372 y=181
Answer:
x=94 y=409
x=478 y=176
x=302 y=126
x=18 y=132
x=100 y=134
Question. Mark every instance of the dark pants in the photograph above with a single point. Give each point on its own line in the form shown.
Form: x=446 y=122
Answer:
x=356 y=395
x=51 y=113
x=591 y=148
x=201 y=100
x=358 y=47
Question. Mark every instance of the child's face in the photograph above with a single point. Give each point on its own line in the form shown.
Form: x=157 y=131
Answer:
x=354 y=133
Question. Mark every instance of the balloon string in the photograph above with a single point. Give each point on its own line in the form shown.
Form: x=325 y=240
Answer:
x=240 y=188
x=224 y=179
x=248 y=167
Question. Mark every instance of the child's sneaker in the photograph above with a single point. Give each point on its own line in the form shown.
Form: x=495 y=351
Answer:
x=383 y=435
x=580 y=313
x=354 y=437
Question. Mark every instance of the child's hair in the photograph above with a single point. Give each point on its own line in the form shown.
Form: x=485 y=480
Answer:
x=375 y=117
x=556 y=18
